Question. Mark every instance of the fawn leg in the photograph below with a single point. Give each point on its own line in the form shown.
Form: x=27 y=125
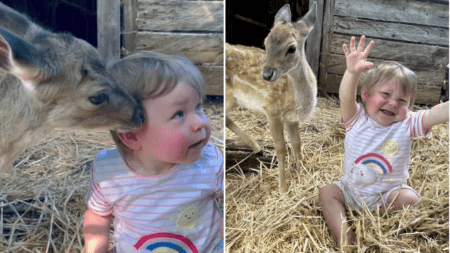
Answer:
x=6 y=164
x=294 y=138
x=247 y=139
x=276 y=130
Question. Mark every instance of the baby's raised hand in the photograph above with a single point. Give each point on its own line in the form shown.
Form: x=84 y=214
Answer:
x=356 y=58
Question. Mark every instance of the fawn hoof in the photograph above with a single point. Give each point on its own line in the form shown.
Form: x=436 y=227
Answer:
x=256 y=148
x=284 y=189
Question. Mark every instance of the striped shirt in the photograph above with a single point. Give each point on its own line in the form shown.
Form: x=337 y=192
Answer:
x=377 y=157
x=175 y=210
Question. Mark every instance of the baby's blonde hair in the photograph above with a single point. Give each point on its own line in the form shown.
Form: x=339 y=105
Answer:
x=391 y=70
x=148 y=75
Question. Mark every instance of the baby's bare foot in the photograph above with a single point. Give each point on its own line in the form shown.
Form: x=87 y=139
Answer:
x=346 y=243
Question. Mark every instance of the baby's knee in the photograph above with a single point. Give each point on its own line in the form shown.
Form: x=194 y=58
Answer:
x=406 y=197
x=328 y=192
x=323 y=192
x=411 y=198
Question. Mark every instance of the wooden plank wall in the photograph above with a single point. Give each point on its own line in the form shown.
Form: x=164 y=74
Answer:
x=411 y=32
x=193 y=29
x=108 y=25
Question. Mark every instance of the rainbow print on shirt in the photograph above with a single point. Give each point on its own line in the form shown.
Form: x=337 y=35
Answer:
x=165 y=242
x=375 y=160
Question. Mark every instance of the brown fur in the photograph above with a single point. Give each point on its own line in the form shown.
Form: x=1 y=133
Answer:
x=52 y=81
x=278 y=83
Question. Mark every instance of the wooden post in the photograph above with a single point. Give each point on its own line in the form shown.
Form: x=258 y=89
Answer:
x=130 y=25
x=326 y=42
x=108 y=23
x=314 y=38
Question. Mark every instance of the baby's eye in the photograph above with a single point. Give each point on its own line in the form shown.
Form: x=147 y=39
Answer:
x=385 y=94
x=178 y=114
x=402 y=101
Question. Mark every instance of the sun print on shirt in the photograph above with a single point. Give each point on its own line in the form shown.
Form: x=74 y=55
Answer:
x=188 y=219
x=390 y=148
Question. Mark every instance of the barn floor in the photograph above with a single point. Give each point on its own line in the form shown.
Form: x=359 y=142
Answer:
x=258 y=219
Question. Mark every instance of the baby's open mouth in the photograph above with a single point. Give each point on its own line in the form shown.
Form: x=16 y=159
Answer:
x=196 y=144
x=387 y=112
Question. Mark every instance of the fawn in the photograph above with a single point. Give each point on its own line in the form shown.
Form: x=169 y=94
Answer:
x=278 y=82
x=49 y=81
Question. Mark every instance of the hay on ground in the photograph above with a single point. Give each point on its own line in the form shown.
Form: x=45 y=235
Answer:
x=258 y=219
x=43 y=203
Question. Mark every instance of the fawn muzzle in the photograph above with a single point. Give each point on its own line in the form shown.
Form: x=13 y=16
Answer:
x=268 y=74
x=138 y=117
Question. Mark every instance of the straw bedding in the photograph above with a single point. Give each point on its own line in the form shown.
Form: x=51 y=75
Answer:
x=258 y=219
x=42 y=204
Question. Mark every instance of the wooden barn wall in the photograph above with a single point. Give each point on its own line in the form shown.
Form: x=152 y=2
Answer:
x=411 y=32
x=193 y=29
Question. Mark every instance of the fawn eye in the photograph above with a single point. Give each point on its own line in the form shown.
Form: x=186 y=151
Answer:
x=292 y=49
x=84 y=72
x=101 y=98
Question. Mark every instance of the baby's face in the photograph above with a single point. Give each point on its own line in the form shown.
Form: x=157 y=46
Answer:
x=386 y=102
x=176 y=128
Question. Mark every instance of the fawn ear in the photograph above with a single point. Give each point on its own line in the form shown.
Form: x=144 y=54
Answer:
x=20 y=58
x=130 y=140
x=6 y=61
x=283 y=15
x=310 y=18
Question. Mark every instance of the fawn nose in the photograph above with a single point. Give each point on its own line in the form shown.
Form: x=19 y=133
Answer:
x=268 y=73
x=138 y=116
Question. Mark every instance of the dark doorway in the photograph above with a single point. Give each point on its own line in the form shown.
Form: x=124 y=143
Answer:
x=78 y=17
x=249 y=23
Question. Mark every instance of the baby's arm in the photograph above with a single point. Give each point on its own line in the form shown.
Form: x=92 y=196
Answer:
x=96 y=232
x=436 y=115
x=356 y=63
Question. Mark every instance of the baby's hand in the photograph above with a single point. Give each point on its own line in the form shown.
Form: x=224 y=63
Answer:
x=356 y=58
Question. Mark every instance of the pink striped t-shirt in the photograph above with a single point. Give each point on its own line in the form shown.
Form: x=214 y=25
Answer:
x=173 y=211
x=377 y=157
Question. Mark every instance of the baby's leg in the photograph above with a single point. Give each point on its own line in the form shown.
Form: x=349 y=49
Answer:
x=406 y=197
x=332 y=201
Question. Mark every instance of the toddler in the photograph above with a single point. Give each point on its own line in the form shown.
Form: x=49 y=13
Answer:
x=378 y=139
x=162 y=181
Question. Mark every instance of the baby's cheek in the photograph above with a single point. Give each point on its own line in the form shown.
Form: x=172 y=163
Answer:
x=176 y=146
x=208 y=131
x=373 y=102
x=378 y=101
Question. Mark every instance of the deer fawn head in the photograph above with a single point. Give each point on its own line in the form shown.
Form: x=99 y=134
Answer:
x=285 y=44
x=65 y=76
